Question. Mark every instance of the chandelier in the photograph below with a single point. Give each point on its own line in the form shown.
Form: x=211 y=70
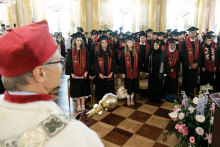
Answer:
x=7 y=2
x=56 y=5
x=126 y=7
x=182 y=8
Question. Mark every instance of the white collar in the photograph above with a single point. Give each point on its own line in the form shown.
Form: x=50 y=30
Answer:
x=142 y=43
x=171 y=49
x=192 y=40
x=21 y=93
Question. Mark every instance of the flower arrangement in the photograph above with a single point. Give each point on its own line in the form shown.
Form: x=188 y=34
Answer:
x=192 y=120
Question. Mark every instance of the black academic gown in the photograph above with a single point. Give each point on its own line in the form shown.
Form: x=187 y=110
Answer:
x=102 y=85
x=78 y=88
x=207 y=77
x=171 y=84
x=190 y=76
x=132 y=85
x=115 y=46
x=92 y=54
x=155 y=84
x=116 y=54
x=217 y=78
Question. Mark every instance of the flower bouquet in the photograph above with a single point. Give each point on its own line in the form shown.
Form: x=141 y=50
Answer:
x=192 y=121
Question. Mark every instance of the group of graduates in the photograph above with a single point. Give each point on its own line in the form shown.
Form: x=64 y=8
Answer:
x=158 y=54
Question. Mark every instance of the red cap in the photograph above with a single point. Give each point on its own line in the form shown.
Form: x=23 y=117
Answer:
x=24 y=48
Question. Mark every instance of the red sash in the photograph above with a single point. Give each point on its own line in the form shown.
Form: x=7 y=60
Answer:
x=92 y=41
x=190 y=51
x=101 y=65
x=209 y=65
x=119 y=53
x=128 y=65
x=147 y=48
x=172 y=61
x=180 y=44
x=79 y=68
x=96 y=46
x=219 y=43
x=165 y=47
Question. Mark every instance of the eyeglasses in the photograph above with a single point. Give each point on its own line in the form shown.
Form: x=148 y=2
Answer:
x=62 y=62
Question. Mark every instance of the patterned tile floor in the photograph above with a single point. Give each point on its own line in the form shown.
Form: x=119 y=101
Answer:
x=140 y=125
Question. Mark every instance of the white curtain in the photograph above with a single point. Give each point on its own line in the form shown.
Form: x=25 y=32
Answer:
x=4 y=14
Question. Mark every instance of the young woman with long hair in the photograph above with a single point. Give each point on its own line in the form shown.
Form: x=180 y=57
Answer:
x=78 y=66
x=105 y=65
x=129 y=66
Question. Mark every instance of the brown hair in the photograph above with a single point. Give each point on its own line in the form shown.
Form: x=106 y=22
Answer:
x=81 y=46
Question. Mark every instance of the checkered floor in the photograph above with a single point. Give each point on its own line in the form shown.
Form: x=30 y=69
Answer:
x=140 y=125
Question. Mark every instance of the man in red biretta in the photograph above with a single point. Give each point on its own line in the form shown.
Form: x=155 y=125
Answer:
x=31 y=66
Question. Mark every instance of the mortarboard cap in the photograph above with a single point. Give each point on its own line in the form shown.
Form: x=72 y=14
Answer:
x=193 y=29
x=154 y=33
x=172 y=40
x=81 y=29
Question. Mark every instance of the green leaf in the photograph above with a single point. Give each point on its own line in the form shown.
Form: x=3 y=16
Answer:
x=59 y=124
x=47 y=125
x=51 y=129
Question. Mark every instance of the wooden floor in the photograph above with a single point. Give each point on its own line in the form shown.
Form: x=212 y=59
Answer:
x=140 y=125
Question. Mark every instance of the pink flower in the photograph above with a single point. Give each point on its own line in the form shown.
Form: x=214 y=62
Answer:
x=175 y=119
x=192 y=139
x=209 y=138
x=213 y=108
x=177 y=126
x=183 y=129
x=181 y=116
x=176 y=107
x=200 y=131
x=182 y=102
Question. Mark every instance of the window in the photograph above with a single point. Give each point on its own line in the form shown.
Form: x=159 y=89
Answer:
x=120 y=20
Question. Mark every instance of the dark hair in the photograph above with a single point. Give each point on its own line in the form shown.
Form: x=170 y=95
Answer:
x=114 y=41
x=54 y=34
x=7 y=26
x=61 y=34
x=100 y=50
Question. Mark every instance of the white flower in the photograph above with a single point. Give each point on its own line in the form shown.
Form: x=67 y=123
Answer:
x=195 y=100
x=181 y=116
x=191 y=110
x=212 y=119
x=200 y=118
x=173 y=114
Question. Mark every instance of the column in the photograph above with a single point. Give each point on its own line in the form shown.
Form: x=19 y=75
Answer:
x=83 y=15
x=95 y=14
x=163 y=15
x=212 y=8
x=202 y=16
x=12 y=15
x=153 y=15
x=27 y=11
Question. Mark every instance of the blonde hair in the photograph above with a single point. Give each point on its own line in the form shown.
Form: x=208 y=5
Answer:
x=127 y=50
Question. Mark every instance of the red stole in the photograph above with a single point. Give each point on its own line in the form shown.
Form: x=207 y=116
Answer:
x=180 y=44
x=79 y=68
x=101 y=65
x=96 y=46
x=219 y=43
x=22 y=99
x=119 y=53
x=128 y=65
x=165 y=47
x=209 y=65
x=147 y=48
x=92 y=41
x=190 y=51
x=172 y=61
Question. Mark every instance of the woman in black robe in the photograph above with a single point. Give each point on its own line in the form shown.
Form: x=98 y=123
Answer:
x=115 y=42
x=209 y=62
x=157 y=66
x=79 y=83
x=171 y=81
x=134 y=64
x=217 y=78
x=105 y=66
x=119 y=51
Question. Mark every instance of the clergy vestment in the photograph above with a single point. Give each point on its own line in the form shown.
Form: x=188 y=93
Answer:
x=190 y=76
x=157 y=66
x=131 y=66
x=21 y=111
x=79 y=88
x=104 y=65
